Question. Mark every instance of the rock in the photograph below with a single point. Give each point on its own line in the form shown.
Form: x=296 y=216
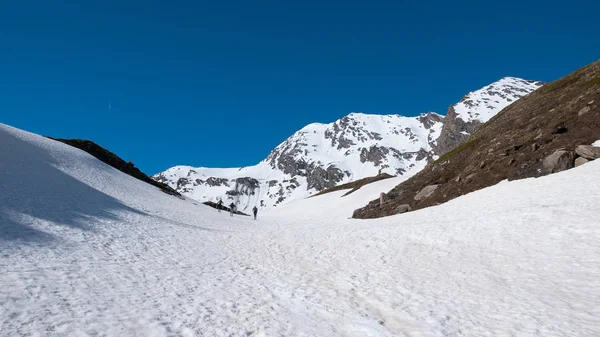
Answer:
x=534 y=147
x=454 y=131
x=470 y=176
x=182 y=182
x=426 y=192
x=560 y=128
x=560 y=160
x=482 y=165
x=375 y=154
x=383 y=198
x=588 y=151
x=584 y=110
x=512 y=161
x=580 y=161
x=320 y=179
x=403 y=209
x=457 y=179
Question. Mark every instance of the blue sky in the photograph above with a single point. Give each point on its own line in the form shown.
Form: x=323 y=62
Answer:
x=220 y=83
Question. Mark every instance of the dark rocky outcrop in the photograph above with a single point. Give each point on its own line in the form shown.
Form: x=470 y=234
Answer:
x=213 y=181
x=355 y=185
x=222 y=208
x=375 y=154
x=454 y=132
x=320 y=179
x=115 y=161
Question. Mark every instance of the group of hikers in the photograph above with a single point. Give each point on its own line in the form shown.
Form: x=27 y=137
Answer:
x=232 y=208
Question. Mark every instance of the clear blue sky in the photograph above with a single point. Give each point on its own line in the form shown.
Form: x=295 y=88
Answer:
x=220 y=83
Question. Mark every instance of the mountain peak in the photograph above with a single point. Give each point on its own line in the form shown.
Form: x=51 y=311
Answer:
x=483 y=104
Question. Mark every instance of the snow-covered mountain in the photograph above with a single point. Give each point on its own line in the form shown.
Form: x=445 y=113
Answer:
x=359 y=145
x=318 y=156
x=477 y=107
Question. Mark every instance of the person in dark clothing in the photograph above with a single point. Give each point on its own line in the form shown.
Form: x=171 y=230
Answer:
x=231 y=208
x=255 y=210
x=220 y=205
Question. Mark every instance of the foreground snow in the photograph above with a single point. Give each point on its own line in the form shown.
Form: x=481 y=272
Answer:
x=87 y=250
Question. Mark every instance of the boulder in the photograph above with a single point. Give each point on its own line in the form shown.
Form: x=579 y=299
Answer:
x=560 y=129
x=403 y=209
x=584 y=110
x=426 y=192
x=588 y=151
x=580 y=161
x=560 y=160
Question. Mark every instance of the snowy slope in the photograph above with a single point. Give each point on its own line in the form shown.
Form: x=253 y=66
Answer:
x=485 y=103
x=334 y=205
x=88 y=250
x=318 y=156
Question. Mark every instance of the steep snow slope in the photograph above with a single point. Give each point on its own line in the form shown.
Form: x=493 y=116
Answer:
x=318 y=156
x=88 y=250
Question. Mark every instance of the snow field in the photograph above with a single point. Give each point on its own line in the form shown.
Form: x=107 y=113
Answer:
x=87 y=250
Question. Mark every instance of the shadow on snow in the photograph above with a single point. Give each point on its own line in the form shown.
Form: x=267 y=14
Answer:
x=36 y=195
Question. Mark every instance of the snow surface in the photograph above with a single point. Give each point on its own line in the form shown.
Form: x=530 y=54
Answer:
x=483 y=104
x=335 y=204
x=88 y=250
x=596 y=143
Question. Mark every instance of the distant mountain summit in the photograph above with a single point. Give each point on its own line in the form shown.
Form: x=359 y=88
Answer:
x=359 y=145
x=477 y=107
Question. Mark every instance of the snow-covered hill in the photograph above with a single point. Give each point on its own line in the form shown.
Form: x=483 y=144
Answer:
x=359 y=145
x=88 y=250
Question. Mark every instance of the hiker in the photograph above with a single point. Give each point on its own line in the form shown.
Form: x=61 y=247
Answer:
x=220 y=205
x=231 y=208
x=255 y=210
